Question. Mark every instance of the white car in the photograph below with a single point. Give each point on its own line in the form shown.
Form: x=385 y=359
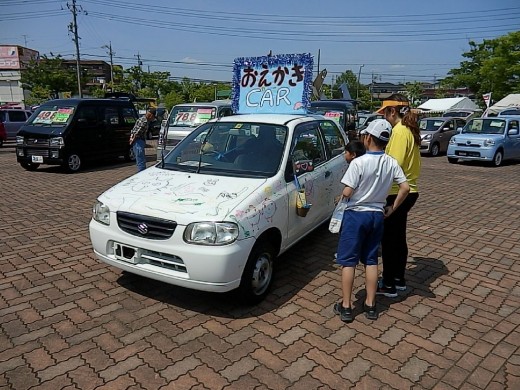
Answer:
x=221 y=207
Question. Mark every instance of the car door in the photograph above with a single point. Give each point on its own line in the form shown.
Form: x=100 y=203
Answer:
x=512 y=144
x=444 y=134
x=14 y=120
x=88 y=135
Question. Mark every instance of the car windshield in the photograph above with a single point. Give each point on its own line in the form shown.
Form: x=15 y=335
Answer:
x=430 y=124
x=191 y=116
x=485 y=126
x=52 y=115
x=230 y=149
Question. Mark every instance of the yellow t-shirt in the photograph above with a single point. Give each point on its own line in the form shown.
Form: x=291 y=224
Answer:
x=403 y=148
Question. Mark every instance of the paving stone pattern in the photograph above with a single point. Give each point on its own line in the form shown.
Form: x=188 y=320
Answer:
x=68 y=321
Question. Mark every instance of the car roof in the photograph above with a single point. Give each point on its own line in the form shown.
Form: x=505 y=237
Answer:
x=441 y=118
x=75 y=101
x=275 y=119
x=333 y=103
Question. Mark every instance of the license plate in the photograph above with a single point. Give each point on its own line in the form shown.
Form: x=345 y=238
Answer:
x=37 y=159
x=462 y=153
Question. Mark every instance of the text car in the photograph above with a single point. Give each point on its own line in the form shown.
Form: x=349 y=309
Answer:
x=436 y=133
x=224 y=203
x=492 y=139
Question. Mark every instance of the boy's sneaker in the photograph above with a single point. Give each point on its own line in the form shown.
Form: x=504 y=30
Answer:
x=345 y=313
x=400 y=284
x=387 y=291
x=370 y=311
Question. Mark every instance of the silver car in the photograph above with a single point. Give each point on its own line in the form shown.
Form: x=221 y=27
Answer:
x=13 y=119
x=436 y=133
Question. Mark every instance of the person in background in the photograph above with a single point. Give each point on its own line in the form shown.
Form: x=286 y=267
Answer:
x=367 y=182
x=404 y=147
x=138 y=138
x=354 y=149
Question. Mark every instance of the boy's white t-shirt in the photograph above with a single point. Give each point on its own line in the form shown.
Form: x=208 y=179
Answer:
x=371 y=176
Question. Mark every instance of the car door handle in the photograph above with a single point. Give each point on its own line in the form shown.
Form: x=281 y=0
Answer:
x=328 y=173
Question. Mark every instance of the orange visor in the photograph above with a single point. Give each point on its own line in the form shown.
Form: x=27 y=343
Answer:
x=390 y=103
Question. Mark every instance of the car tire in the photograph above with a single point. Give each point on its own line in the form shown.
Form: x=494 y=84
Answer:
x=258 y=273
x=72 y=163
x=453 y=160
x=29 y=166
x=129 y=155
x=498 y=158
x=435 y=150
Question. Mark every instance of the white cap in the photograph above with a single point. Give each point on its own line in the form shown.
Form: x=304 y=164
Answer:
x=379 y=128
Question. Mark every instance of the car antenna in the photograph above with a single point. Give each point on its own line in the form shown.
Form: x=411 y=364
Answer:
x=204 y=143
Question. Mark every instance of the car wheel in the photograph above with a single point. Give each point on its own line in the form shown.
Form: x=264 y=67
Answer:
x=258 y=273
x=29 y=166
x=129 y=155
x=72 y=163
x=498 y=158
x=452 y=160
x=435 y=150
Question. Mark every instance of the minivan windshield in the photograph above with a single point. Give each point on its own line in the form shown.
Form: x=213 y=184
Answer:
x=230 y=149
x=430 y=124
x=52 y=115
x=191 y=116
x=485 y=126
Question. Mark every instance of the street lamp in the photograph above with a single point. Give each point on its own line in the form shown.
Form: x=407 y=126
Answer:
x=358 y=81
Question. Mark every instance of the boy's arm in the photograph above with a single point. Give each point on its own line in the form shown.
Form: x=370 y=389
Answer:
x=347 y=192
x=404 y=189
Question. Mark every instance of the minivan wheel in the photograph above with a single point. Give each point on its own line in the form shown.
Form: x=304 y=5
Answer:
x=258 y=273
x=452 y=160
x=29 y=166
x=72 y=163
x=129 y=155
x=498 y=158
x=435 y=151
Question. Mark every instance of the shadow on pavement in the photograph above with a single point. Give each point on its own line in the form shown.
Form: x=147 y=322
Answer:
x=294 y=270
x=421 y=272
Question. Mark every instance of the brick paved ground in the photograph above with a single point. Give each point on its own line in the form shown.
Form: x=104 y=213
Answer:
x=68 y=321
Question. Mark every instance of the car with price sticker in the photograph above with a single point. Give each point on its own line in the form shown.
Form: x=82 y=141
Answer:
x=184 y=118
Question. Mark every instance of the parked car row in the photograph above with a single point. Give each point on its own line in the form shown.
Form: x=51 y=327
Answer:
x=11 y=119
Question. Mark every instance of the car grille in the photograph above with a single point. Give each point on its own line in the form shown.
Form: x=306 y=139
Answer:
x=464 y=144
x=37 y=152
x=146 y=227
x=36 y=141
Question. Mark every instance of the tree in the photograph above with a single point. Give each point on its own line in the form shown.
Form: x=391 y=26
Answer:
x=491 y=66
x=414 y=91
x=349 y=78
x=48 y=76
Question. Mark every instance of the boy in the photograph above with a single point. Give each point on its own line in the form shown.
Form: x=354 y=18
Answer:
x=367 y=182
x=354 y=149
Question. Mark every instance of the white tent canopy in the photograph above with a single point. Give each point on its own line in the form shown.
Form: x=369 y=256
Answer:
x=512 y=100
x=441 y=105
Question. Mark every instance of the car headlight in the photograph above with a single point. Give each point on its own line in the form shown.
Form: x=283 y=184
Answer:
x=101 y=213
x=56 y=141
x=211 y=233
x=453 y=141
x=19 y=140
x=489 y=142
x=427 y=137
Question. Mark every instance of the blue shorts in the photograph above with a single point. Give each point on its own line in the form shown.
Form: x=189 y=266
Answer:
x=359 y=238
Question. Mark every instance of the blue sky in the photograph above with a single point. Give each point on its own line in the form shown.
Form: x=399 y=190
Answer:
x=396 y=41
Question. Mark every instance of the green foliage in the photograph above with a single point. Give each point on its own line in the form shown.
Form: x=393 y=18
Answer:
x=38 y=95
x=491 y=66
x=414 y=91
x=47 y=75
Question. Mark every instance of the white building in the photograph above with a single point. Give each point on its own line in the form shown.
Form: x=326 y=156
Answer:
x=13 y=59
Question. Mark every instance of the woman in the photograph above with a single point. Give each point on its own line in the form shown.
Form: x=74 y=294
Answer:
x=404 y=147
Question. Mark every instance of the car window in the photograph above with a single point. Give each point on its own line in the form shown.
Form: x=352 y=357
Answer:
x=307 y=145
x=111 y=116
x=191 y=116
x=485 y=126
x=87 y=115
x=128 y=116
x=334 y=142
x=52 y=115
x=17 y=116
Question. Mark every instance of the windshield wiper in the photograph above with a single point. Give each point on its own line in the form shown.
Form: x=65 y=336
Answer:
x=204 y=143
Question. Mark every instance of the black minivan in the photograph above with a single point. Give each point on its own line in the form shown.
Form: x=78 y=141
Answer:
x=68 y=132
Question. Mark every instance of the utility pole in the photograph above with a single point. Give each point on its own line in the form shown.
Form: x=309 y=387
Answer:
x=73 y=28
x=111 y=54
x=25 y=39
x=358 y=81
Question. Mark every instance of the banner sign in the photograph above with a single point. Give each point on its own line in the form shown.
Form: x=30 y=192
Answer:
x=279 y=84
x=487 y=98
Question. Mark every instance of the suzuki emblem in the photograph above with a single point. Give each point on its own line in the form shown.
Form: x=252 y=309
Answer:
x=142 y=228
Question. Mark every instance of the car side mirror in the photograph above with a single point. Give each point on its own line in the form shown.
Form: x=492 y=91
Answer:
x=512 y=132
x=459 y=130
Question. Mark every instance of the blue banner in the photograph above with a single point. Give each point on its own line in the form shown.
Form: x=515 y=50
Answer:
x=279 y=84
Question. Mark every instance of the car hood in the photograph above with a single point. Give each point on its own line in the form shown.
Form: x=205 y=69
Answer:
x=180 y=196
x=462 y=137
x=46 y=131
